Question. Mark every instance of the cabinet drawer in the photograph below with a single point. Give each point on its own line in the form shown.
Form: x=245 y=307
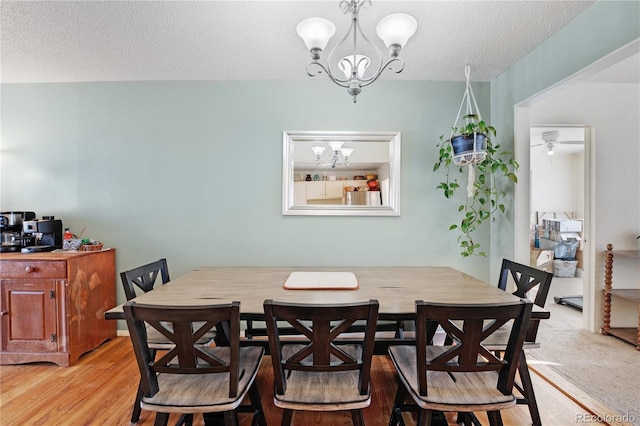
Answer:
x=33 y=269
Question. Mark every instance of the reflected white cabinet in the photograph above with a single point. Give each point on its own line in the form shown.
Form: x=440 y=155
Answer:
x=299 y=193
x=334 y=189
x=323 y=190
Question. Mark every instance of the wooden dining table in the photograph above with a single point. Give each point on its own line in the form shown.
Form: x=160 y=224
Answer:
x=396 y=289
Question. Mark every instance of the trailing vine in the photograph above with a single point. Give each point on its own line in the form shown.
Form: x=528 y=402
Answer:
x=484 y=196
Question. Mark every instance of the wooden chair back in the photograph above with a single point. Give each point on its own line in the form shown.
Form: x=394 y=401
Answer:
x=144 y=277
x=321 y=325
x=470 y=325
x=526 y=278
x=184 y=327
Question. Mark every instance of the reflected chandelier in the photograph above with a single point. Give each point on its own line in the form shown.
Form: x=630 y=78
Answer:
x=394 y=30
x=339 y=156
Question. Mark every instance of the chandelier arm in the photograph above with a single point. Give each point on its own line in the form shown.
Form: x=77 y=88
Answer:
x=341 y=83
x=378 y=52
x=364 y=83
x=329 y=70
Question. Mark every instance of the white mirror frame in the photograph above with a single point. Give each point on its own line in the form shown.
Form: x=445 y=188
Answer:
x=393 y=139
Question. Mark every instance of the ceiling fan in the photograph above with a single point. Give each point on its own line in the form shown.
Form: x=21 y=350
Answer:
x=551 y=140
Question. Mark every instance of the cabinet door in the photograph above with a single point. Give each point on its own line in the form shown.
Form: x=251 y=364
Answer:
x=29 y=315
x=315 y=190
x=299 y=193
x=334 y=189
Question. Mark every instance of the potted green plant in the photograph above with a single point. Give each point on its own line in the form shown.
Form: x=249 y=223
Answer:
x=469 y=142
x=484 y=194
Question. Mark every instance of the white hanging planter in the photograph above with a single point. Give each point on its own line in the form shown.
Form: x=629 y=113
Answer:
x=469 y=147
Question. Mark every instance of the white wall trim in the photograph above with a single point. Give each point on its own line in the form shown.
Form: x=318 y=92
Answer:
x=592 y=299
x=522 y=189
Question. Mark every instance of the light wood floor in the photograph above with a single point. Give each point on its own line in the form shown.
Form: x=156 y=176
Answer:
x=100 y=388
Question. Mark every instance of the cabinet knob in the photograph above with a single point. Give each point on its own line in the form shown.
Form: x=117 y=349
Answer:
x=28 y=269
x=3 y=313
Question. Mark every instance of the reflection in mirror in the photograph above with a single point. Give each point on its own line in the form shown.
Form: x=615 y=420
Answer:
x=341 y=173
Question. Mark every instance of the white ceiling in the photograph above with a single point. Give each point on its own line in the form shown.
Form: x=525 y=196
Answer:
x=67 y=41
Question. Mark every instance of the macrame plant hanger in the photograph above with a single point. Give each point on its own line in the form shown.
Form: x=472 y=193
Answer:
x=469 y=158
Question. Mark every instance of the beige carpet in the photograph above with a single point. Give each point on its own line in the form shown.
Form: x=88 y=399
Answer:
x=604 y=367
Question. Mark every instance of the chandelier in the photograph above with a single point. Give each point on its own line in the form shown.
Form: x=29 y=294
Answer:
x=394 y=30
x=338 y=156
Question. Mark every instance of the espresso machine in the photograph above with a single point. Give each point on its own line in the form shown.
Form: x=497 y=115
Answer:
x=47 y=232
x=21 y=232
x=11 y=228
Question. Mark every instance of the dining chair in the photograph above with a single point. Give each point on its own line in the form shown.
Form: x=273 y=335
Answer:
x=144 y=277
x=534 y=284
x=142 y=280
x=191 y=378
x=463 y=377
x=527 y=279
x=317 y=372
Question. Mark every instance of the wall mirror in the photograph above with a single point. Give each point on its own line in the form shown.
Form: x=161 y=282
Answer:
x=341 y=173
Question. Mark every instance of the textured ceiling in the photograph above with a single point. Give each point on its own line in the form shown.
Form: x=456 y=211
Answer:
x=65 y=41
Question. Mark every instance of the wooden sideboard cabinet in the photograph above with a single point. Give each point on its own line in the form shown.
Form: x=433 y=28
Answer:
x=629 y=334
x=52 y=305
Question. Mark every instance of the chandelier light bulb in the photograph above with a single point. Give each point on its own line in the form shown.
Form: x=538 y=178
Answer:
x=316 y=32
x=317 y=150
x=335 y=146
x=346 y=65
x=346 y=152
x=396 y=29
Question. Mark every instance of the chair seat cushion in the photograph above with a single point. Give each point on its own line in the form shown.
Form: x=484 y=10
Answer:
x=197 y=393
x=317 y=389
x=477 y=390
x=323 y=388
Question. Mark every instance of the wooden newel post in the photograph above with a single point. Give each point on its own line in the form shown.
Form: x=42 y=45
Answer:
x=608 y=272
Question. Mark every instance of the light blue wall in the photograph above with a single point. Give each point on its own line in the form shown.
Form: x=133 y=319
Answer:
x=192 y=171
x=592 y=35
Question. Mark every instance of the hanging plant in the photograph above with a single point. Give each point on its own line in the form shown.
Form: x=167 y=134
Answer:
x=472 y=146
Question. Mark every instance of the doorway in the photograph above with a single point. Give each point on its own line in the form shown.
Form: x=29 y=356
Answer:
x=557 y=208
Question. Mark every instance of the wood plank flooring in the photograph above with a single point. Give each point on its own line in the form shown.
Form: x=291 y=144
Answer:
x=100 y=388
